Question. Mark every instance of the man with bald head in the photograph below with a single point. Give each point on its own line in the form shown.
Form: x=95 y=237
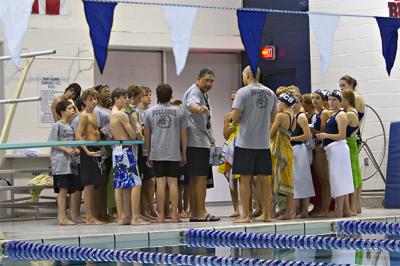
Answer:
x=254 y=108
x=197 y=108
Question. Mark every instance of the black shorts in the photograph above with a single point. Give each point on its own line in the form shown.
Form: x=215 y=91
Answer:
x=198 y=160
x=144 y=171
x=252 y=162
x=91 y=171
x=166 y=168
x=79 y=186
x=68 y=181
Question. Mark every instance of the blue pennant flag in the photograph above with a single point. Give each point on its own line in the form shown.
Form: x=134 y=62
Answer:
x=251 y=24
x=389 y=35
x=99 y=17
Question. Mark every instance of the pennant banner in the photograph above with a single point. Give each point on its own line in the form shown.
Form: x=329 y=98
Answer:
x=388 y=28
x=14 y=16
x=251 y=24
x=180 y=22
x=324 y=28
x=99 y=17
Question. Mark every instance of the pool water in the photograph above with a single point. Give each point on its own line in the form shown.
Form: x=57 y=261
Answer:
x=360 y=257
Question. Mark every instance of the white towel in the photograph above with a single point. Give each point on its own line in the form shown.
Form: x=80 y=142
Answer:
x=303 y=185
x=340 y=174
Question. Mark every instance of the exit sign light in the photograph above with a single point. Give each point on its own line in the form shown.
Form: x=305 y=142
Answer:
x=268 y=52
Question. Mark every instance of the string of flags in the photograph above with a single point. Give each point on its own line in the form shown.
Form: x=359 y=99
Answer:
x=14 y=17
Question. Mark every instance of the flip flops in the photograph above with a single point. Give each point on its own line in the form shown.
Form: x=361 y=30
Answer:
x=208 y=218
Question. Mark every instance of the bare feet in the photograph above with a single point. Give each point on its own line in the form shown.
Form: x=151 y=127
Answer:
x=175 y=220
x=286 y=216
x=183 y=215
x=94 y=221
x=242 y=219
x=255 y=213
x=139 y=221
x=65 y=221
x=160 y=220
x=235 y=214
x=148 y=217
x=78 y=220
x=347 y=214
x=302 y=215
x=152 y=213
x=263 y=218
x=124 y=221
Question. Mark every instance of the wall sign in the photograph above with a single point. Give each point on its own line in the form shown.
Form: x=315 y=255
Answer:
x=49 y=87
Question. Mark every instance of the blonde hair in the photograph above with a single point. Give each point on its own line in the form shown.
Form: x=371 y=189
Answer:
x=307 y=98
x=134 y=91
x=299 y=97
x=349 y=95
x=89 y=93
x=284 y=89
x=295 y=89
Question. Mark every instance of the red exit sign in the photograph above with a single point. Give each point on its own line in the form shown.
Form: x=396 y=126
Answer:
x=268 y=52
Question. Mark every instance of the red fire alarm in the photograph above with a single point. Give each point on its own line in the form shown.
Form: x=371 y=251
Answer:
x=268 y=52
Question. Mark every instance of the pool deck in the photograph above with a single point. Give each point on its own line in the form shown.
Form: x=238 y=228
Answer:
x=119 y=236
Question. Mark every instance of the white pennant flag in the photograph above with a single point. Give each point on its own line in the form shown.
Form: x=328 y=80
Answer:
x=14 y=16
x=324 y=28
x=180 y=24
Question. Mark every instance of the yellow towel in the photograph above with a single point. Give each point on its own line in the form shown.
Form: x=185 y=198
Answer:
x=41 y=180
x=227 y=154
x=282 y=164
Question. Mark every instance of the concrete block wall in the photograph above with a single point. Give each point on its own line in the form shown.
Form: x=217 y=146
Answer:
x=357 y=52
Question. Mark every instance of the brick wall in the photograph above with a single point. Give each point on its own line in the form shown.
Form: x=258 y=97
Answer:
x=357 y=52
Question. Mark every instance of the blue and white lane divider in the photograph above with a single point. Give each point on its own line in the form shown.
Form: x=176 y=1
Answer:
x=35 y=251
x=363 y=227
x=201 y=238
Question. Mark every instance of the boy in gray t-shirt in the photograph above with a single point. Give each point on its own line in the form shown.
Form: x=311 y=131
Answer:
x=63 y=165
x=166 y=141
x=254 y=107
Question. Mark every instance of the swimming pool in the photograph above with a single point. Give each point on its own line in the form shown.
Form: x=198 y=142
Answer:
x=224 y=245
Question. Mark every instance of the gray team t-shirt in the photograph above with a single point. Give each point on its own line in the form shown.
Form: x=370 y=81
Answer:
x=256 y=103
x=165 y=122
x=199 y=134
x=61 y=162
x=103 y=119
x=140 y=112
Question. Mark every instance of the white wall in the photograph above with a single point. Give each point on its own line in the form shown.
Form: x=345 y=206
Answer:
x=134 y=27
x=357 y=52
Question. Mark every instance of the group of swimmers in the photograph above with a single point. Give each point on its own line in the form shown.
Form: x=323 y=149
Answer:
x=314 y=147
x=286 y=149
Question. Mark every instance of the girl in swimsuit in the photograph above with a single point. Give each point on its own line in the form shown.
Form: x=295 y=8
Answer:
x=282 y=156
x=338 y=154
x=320 y=162
x=348 y=82
x=348 y=104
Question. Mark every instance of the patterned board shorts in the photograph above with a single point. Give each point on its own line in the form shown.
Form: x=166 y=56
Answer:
x=125 y=167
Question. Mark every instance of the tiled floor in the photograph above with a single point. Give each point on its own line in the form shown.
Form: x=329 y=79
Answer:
x=90 y=235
